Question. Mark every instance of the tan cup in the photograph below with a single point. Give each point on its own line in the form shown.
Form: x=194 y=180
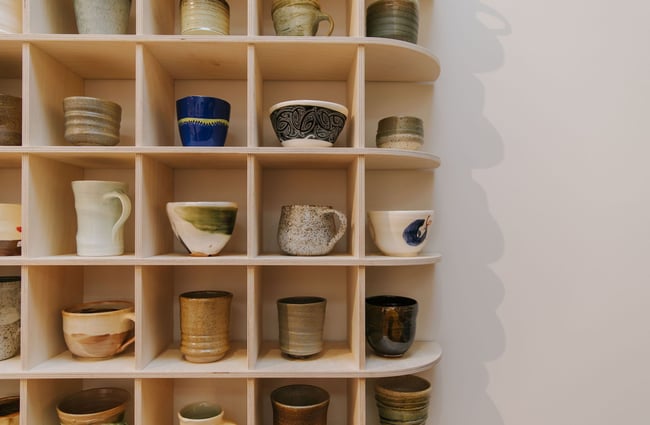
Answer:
x=205 y=323
x=300 y=324
x=298 y=17
x=99 y=330
x=205 y=17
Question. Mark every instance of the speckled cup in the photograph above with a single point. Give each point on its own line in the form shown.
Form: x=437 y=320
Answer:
x=301 y=321
x=102 y=16
x=205 y=323
x=310 y=229
x=9 y=316
x=400 y=132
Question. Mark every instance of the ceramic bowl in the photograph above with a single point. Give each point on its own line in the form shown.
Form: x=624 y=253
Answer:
x=94 y=406
x=400 y=233
x=390 y=324
x=91 y=121
x=308 y=123
x=400 y=132
x=203 y=228
x=10 y=410
x=11 y=122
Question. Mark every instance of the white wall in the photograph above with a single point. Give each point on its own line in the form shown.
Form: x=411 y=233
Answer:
x=542 y=120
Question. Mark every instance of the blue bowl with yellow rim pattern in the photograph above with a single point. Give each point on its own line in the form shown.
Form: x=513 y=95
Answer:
x=203 y=120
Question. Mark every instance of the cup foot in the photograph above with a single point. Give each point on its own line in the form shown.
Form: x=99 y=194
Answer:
x=203 y=359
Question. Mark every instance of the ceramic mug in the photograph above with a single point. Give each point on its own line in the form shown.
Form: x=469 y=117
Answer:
x=202 y=413
x=10 y=229
x=298 y=17
x=300 y=404
x=205 y=323
x=203 y=120
x=100 y=329
x=9 y=316
x=400 y=233
x=101 y=16
x=310 y=229
x=205 y=17
x=102 y=209
x=300 y=324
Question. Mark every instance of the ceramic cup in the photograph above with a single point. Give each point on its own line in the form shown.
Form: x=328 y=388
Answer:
x=403 y=400
x=310 y=229
x=397 y=19
x=205 y=325
x=10 y=229
x=400 y=233
x=99 y=330
x=101 y=16
x=102 y=209
x=202 y=413
x=300 y=322
x=204 y=228
x=390 y=324
x=11 y=120
x=94 y=406
x=9 y=316
x=400 y=132
x=91 y=121
x=300 y=404
x=205 y=17
x=203 y=120
x=10 y=410
x=299 y=17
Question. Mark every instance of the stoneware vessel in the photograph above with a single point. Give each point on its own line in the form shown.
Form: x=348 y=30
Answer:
x=299 y=17
x=390 y=324
x=300 y=404
x=102 y=16
x=301 y=321
x=9 y=316
x=205 y=325
x=204 y=228
x=203 y=120
x=310 y=229
x=10 y=410
x=11 y=120
x=99 y=330
x=308 y=123
x=91 y=121
x=202 y=413
x=102 y=209
x=400 y=132
x=11 y=19
x=94 y=406
x=400 y=233
x=10 y=229
x=397 y=19
x=205 y=17
x=402 y=400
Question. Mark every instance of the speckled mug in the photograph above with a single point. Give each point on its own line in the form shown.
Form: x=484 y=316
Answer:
x=310 y=229
x=205 y=323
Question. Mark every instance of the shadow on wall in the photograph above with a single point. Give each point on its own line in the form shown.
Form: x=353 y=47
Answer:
x=465 y=36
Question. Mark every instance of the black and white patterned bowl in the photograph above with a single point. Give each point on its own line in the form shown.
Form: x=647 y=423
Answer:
x=308 y=123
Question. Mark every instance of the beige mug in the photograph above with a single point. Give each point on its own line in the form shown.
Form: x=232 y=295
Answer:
x=100 y=329
x=299 y=17
x=310 y=229
x=205 y=323
x=202 y=413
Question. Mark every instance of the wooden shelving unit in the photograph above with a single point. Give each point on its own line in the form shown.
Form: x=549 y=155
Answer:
x=145 y=71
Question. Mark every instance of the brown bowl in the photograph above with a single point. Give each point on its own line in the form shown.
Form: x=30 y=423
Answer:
x=93 y=406
x=10 y=410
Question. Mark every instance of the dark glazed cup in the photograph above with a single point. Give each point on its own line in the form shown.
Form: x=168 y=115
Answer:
x=203 y=120
x=300 y=404
x=390 y=324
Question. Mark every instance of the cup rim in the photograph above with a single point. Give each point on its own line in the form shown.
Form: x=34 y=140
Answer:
x=200 y=403
x=200 y=96
x=389 y=300
x=311 y=102
x=302 y=300
x=203 y=204
x=400 y=212
x=123 y=396
x=74 y=310
x=323 y=397
x=205 y=294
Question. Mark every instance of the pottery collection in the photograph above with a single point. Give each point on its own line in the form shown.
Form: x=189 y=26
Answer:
x=202 y=413
x=396 y=19
x=390 y=324
x=300 y=404
x=9 y=316
x=205 y=325
x=203 y=120
x=299 y=17
x=403 y=400
x=10 y=410
x=400 y=233
x=205 y=17
x=94 y=406
x=91 y=121
x=400 y=132
x=11 y=121
x=310 y=229
x=98 y=330
x=10 y=229
x=102 y=208
x=308 y=123
x=101 y=16
x=300 y=321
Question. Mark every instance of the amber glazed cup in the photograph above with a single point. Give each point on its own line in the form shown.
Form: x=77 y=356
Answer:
x=390 y=324
x=300 y=404
x=205 y=323
x=94 y=406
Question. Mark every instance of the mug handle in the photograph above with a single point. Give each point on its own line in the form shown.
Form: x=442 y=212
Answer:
x=343 y=224
x=322 y=16
x=126 y=209
x=128 y=316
